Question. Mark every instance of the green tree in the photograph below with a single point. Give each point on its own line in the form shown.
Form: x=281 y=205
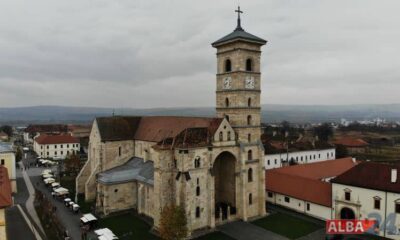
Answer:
x=7 y=130
x=18 y=154
x=285 y=128
x=324 y=132
x=173 y=223
x=341 y=151
x=72 y=164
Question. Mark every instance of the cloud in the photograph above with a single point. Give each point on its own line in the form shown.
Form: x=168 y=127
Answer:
x=158 y=54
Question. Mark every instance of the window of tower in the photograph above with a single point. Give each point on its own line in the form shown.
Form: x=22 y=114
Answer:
x=250 y=175
x=249 y=102
x=197 y=162
x=221 y=136
x=249 y=65
x=228 y=65
x=249 y=137
x=249 y=120
x=229 y=136
x=249 y=155
x=197 y=212
x=226 y=102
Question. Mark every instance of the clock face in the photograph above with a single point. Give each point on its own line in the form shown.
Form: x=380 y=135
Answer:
x=227 y=82
x=249 y=83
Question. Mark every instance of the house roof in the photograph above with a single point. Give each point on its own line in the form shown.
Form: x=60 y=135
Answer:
x=118 y=127
x=152 y=129
x=56 y=139
x=275 y=147
x=5 y=188
x=319 y=170
x=310 y=190
x=135 y=169
x=371 y=175
x=351 y=142
x=49 y=128
x=155 y=129
x=3 y=134
x=305 y=181
x=6 y=147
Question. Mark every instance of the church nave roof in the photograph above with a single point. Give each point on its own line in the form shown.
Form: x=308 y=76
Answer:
x=136 y=169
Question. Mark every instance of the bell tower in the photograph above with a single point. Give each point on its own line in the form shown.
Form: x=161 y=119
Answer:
x=238 y=82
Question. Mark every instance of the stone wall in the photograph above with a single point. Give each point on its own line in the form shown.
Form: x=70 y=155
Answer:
x=119 y=197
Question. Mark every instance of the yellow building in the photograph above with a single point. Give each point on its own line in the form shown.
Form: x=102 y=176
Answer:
x=7 y=159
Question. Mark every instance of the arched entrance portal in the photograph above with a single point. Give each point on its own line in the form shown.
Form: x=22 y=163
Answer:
x=225 y=184
x=347 y=213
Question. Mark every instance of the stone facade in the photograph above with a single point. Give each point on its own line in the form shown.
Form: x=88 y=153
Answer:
x=214 y=167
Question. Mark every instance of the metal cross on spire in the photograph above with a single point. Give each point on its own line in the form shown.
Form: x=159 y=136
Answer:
x=239 y=27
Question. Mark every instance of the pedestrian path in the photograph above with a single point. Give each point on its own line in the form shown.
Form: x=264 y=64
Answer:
x=244 y=231
x=29 y=203
x=18 y=226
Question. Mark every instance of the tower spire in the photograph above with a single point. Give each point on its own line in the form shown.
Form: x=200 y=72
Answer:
x=238 y=27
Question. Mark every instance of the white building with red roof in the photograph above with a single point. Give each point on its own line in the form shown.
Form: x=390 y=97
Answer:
x=56 y=146
x=306 y=188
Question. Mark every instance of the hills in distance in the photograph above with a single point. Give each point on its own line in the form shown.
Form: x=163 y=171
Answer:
x=271 y=113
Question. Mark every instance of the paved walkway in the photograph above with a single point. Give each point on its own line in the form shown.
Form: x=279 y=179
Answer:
x=68 y=219
x=29 y=203
x=18 y=225
x=244 y=231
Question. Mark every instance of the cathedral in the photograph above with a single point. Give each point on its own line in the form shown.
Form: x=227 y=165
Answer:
x=213 y=167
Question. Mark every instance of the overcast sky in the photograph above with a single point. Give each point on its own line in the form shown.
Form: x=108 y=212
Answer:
x=157 y=53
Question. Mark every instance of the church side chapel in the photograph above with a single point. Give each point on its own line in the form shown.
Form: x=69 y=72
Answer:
x=213 y=167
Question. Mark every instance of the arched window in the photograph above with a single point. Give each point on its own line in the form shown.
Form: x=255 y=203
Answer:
x=249 y=155
x=228 y=65
x=249 y=137
x=221 y=137
x=197 y=162
x=250 y=199
x=198 y=191
x=249 y=65
x=226 y=102
x=229 y=136
x=250 y=175
x=249 y=102
x=197 y=212
x=249 y=120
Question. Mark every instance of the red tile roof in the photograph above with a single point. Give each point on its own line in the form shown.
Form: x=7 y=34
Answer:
x=351 y=142
x=371 y=175
x=319 y=170
x=304 y=181
x=155 y=129
x=309 y=190
x=151 y=128
x=56 y=139
x=5 y=188
x=49 y=128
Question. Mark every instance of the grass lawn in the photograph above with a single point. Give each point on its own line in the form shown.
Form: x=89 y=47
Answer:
x=127 y=226
x=215 y=236
x=287 y=225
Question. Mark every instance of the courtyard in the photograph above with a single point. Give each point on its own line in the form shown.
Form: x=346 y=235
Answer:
x=287 y=225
